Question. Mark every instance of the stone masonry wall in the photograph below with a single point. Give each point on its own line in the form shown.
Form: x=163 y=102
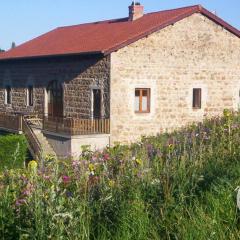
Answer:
x=78 y=75
x=193 y=53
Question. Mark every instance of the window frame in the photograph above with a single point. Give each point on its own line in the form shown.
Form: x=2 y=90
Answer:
x=30 y=96
x=140 y=100
x=8 y=95
x=197 y=98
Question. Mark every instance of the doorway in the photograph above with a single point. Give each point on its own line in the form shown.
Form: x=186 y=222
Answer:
x=55 y=99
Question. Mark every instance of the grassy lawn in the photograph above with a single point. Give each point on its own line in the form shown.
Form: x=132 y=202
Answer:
x=172 y=186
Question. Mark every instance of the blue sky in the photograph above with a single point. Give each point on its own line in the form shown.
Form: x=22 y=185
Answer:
x=21 y=20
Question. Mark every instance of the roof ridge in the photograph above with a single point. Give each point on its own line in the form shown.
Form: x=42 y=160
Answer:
x=178 y=8
x=97 y=22
x=126 y=18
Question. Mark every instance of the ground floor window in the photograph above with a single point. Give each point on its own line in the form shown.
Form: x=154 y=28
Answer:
x=97 y=103
x=197 y=98
x=142 y=100
x=30 y=96
x=8 y=95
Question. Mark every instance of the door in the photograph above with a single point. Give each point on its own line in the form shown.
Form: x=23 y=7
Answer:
x=97 y=99
x=55 y=99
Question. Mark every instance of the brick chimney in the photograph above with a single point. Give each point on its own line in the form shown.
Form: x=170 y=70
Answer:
x=136 y=11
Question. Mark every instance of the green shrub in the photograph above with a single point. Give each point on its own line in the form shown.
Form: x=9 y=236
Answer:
x=13 y=151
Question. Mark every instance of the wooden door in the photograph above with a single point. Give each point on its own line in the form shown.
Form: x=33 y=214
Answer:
x=55 y=99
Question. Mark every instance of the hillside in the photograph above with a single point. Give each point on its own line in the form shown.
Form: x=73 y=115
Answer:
x=172 y=186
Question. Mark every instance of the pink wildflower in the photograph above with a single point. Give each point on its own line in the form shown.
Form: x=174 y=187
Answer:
x=106 y=156
x=20 y=202
x=66 y=179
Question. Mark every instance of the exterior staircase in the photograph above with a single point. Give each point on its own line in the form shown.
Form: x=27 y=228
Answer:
x=47 y=149
x=31 y=126
x=37 y=143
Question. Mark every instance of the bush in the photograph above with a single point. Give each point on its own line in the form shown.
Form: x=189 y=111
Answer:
x=13 y=151
x=173 y=186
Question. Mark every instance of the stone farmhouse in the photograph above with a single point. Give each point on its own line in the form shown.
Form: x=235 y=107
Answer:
x=116 y=80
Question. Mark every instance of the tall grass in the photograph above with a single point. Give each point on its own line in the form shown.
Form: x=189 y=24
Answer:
x=173 y=186
x=13 y=151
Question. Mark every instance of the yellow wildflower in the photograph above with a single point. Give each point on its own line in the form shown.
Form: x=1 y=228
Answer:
x=91 y=167
x=139 y=161
x=111 y=183
x=32 y=165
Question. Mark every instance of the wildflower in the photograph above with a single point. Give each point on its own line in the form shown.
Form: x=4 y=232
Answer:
x=63 y=216
x=32 y=165
x=155 y=181
x=20 y=202
x=94 y=158
x=150 y=150
x=45 y=177
x=111 y=183
x=28 y=190
x=75 y=164
x=139 y=162
x=91 y=167
x=226 y=113
x=24 y=178
x=170 y=147
x=66 y=179
x=50 y=157
x=69 y=194
x=106 y=157
x=235 y=126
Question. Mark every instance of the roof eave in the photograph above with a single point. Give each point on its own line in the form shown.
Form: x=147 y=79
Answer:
x=52 y=56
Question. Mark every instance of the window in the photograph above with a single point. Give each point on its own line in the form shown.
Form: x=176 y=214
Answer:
x=197 y=98
x=142 y=100
x=97 y=106
x=30 y=96
x=8 y=95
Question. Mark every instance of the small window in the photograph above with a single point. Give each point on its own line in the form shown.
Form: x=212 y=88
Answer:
x=30 y=96
x=8 y=95
x=142 y=100
x=197 y=98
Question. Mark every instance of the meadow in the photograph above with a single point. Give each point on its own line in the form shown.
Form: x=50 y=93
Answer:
x=179 y=185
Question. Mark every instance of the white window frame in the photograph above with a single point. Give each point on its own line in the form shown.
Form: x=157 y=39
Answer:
x=28 y=100
x=6 y=95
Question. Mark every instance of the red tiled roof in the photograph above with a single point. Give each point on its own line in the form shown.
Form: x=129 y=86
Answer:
x=106 y=36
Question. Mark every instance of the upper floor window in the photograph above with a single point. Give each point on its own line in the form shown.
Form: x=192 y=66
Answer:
x=30 y=96
x=8 y=95
x=197 y=98
x=142 y=100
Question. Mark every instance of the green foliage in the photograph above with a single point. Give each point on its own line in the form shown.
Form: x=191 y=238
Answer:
x=13 y=151
x=173 y=186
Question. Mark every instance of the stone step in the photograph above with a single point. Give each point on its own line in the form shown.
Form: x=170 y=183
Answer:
x=46 y=147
